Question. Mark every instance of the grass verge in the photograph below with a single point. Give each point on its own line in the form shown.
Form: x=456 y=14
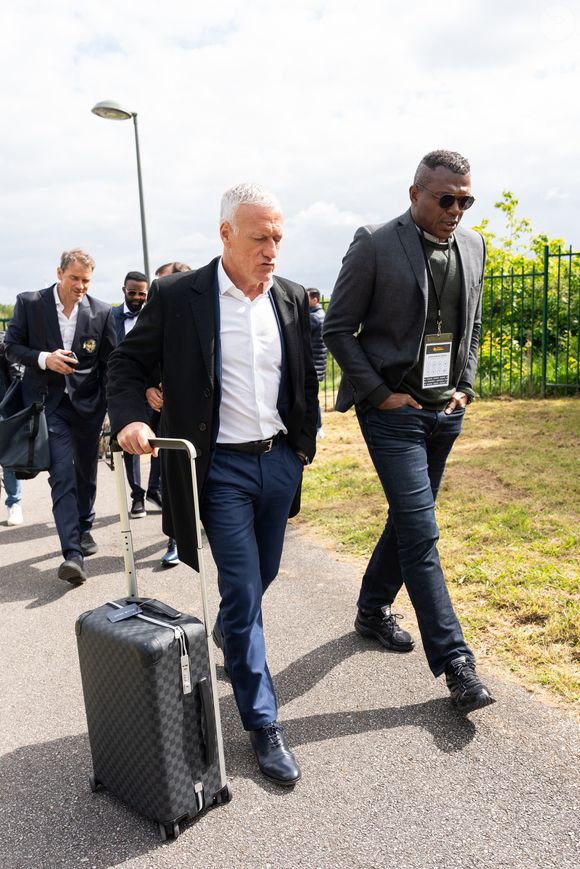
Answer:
x=508 y=513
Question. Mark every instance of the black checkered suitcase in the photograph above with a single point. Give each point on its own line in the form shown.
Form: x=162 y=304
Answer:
x=148 y=676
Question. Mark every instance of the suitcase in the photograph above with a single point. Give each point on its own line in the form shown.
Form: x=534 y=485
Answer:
x=149 y=685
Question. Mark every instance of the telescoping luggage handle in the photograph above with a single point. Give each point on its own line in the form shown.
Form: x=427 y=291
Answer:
x=131 y=574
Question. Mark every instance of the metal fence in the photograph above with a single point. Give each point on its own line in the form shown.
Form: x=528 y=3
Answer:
x=530 y=342
x=530 y=339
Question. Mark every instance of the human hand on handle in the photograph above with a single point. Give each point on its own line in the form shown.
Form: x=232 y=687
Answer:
x=134 y=438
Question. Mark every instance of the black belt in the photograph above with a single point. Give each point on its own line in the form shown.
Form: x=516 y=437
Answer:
x=254 y=448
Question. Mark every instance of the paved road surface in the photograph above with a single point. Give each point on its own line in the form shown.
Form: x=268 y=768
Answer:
x=392 y=776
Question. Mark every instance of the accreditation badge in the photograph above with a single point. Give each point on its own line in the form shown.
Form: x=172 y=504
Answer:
x=437 y=360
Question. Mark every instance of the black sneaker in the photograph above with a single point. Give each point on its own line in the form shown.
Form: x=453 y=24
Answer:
x=468 y=692
x=71 y=570
x=138 y=509
x=155 y=498
x=88 y=544
x=381 y=625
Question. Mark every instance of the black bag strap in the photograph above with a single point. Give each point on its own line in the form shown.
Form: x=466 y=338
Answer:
x=38 y=409
x=43 y=374
x=156 y=606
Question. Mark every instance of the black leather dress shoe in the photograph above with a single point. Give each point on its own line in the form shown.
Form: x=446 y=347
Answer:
x=88 y=543
x=275 y=759
x=71 y=570
x=218 y=639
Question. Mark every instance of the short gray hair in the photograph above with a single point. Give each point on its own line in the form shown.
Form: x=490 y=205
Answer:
x=448 y=159
x=245 y=194
x=76 y=255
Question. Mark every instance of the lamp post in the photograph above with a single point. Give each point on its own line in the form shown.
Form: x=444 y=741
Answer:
x=114 y=112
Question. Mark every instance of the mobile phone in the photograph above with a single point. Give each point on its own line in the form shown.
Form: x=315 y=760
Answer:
x=72 y=355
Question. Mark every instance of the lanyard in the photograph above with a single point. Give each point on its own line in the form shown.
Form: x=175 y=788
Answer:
x=438 y=295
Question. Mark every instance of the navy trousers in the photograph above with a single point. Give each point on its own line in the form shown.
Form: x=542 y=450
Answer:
x=244 y=511
x=409 y=449
x=74 y=456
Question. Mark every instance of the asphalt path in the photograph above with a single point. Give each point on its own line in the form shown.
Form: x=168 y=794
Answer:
x=392 y=775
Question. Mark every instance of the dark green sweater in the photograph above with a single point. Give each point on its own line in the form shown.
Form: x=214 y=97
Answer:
x=437 y=398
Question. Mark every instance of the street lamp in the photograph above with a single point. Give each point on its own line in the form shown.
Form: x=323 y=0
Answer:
x=114 y=112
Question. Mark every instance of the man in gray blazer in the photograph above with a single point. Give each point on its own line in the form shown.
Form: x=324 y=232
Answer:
x=403 y=323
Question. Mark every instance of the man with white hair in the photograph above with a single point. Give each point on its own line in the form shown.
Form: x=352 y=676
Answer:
x=233 y=344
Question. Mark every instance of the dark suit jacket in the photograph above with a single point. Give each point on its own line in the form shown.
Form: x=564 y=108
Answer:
x=119 y=322
x=178 y=329
x=34 y=327
x=376 y=317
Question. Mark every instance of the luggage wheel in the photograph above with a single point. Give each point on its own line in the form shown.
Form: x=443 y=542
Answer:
x=169 y=831
x=94 y=784
x=223 y=796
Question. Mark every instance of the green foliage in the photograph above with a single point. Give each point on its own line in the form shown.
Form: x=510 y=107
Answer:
x=519 y=247
x=531 y=304
x=6 y=312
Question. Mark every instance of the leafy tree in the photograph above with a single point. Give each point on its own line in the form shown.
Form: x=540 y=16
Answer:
x=511 y=353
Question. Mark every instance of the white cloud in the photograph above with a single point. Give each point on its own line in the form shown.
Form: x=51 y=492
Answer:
x=329 y=103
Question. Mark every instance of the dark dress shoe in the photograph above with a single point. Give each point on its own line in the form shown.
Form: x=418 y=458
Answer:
x=468 y=692
x=155 y=498
x=88 y=544
x=171 y=557
x=275 y=759
x=218 y=639
x=71 y=570
x=138 y=510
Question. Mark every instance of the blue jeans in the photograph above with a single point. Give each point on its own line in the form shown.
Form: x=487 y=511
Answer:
x=409 y=449
x=244 y=510
x=13 y=488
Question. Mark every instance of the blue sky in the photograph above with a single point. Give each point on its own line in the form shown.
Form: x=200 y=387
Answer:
x=328 y=103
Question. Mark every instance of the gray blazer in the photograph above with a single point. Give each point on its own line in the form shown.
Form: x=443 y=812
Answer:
x=376 y=317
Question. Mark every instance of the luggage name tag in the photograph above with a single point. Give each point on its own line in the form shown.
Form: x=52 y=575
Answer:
x=437 y=360
x=124 y=612
x=184 y=662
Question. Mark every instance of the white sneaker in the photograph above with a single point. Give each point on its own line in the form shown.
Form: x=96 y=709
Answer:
x=15 y=515
x=320 y=433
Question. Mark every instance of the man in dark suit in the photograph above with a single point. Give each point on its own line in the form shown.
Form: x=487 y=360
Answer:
x=135 y=288
x=239 y=382
x=403 y=323
x=64 y=336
